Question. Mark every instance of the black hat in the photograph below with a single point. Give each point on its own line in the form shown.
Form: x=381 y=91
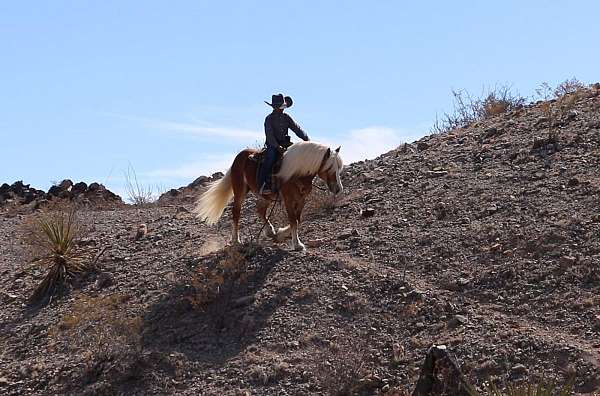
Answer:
x=280 y=102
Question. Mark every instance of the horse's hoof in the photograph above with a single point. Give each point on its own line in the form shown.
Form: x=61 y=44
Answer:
x=299 y=248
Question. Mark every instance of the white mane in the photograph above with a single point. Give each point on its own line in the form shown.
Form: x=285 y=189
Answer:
x=305 y=158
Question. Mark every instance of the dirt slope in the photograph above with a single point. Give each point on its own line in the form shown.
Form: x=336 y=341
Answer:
x=485 y=239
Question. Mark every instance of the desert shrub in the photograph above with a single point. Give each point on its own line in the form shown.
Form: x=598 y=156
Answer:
x=565 y=92
x=468 y=109
x=137 y=193
x=568 y=87
x=53 y=238
x=557 y=105
x=221 y=279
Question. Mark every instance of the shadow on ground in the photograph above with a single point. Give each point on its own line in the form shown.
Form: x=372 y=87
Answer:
x=220 y=330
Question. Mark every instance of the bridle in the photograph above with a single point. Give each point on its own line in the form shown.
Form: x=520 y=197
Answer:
x=323 y=162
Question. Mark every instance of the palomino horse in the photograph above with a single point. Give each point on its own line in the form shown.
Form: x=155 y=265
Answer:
x=301 y=163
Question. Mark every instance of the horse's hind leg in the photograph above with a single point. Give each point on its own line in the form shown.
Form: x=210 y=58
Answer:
x=239 y=194
x=262 y=206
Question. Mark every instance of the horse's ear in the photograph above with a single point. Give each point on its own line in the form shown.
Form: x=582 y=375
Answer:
x=328 y=153
x=337 y=150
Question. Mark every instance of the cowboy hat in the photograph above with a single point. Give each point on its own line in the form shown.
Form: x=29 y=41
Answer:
x=280 y=102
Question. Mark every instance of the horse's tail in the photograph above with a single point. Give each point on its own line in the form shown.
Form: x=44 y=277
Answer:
x=212 y=202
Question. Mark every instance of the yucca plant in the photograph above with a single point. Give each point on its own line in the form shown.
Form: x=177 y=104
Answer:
x=54 y=238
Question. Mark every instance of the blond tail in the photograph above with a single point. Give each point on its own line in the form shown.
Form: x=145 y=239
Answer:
x=212 y=202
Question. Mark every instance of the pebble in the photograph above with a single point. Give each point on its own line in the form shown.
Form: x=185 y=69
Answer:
x=367 y=212
x=518 y=370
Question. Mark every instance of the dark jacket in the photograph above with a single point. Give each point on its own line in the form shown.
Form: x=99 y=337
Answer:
x=276 y=129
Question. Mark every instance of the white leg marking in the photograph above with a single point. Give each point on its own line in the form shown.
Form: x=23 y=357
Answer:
x=235 y=235
x=296 y=244
x=270 y=230
x=283 y=233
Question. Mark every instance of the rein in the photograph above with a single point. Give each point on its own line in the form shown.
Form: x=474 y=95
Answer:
x=268 y=219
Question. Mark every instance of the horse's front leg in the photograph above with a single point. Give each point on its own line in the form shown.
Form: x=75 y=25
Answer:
x=262 y=207
x=294 y=210
x=296 y=244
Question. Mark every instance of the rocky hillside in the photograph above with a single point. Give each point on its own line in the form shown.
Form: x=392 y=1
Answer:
x=483 y=239
x=23 y=198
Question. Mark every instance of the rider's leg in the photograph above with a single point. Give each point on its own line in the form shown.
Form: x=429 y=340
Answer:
x=266 y=167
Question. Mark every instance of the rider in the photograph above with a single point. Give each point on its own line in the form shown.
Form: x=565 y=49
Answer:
x=276 y=130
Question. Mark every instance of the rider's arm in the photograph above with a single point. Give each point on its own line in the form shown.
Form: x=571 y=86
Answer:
x=296 y=128
x=270 y=133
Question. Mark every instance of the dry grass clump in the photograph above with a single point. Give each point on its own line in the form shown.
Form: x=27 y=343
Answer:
x=343 y=370
x=320 y=201
x=53 y=239
x=542 y=388
x=469 y=109
x=139 y=194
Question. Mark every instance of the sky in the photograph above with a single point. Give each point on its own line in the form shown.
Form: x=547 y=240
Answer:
x=174 y=89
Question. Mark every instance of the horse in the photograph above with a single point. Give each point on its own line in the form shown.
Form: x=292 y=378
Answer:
x=301 y=163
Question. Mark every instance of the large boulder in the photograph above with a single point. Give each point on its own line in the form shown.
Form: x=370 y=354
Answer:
x=62 y=189
x=79 y=188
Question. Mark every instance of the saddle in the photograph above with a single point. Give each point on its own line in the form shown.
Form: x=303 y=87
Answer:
x=258 y=158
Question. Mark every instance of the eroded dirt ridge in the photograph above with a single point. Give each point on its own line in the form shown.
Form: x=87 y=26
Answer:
x=484 y=239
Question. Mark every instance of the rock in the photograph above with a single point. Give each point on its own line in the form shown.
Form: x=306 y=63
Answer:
x=458 y=320
x=79 y=188
x=172 y=192
x=142 y=230
x=415 y=295
x=462 y=282
x=199 y=182
x=66 y=184
x=62 y=189
x=567 y=261
x=491 y=132
x=437 y=173
x=314 y=243
x=18 y=187
x=422 y=146
x=103 y=280
x=518 y=370
x=242 y=301
x=367 y=212
x=4 y=188
x=347 y=233
x=492 y=209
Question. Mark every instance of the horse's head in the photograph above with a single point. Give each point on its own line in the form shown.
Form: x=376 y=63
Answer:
x=330 y=170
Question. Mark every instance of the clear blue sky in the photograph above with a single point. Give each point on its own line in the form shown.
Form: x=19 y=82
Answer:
x=176 y=88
